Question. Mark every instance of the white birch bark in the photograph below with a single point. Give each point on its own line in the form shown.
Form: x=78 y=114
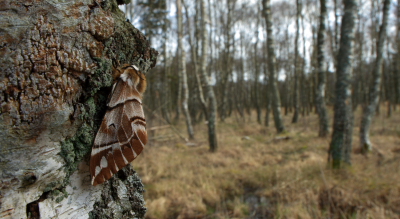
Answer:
x=374 y=91
x=182 y=69
x=274 y=93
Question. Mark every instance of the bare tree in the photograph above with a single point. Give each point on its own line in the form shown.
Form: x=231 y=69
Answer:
x=227 y=57
x=374 y=91
x=340 y=146
x=296 y=98
x=182 y=72
x=211 y=107
x=275 y=99
x=397 y=56
x=320 y=93
x=257 y=71
x=193 y=54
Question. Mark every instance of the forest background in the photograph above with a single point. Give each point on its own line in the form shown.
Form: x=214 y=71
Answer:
x=271 y=89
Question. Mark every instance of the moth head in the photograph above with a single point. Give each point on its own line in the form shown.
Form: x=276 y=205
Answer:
x=132 y=74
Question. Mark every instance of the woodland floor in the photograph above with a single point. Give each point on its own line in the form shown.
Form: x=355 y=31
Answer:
x=258 y=174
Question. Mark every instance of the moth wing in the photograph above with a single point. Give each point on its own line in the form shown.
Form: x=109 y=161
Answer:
x=122 y=134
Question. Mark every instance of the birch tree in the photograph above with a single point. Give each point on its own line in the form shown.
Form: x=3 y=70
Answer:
x=320 y=93
x=374 y=91
x=182 y=71
x=275 y=98
x=296 y=98
x=340 y=146
x=211 y=105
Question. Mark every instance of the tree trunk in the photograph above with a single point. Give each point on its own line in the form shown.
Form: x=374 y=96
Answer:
x=296 y=97
x=340 y=146
x=374 y=92
x=182 y=69
x=320 y=93
x=397 y=56
x=211 y=111
x=178 y=94
x=256 y=77
x=266 y=89
x=165 y=91
x=55 y=67
x=275 y=99
x=227 y=66
x=193 y=53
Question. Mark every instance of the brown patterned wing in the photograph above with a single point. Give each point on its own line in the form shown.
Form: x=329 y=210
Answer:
x=122 y=134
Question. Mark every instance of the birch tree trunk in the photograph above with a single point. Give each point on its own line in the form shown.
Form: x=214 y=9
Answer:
x=211 y=111
x=257 y=73
x=320 y=93
x=374 y=91
x=340 y=146
x=193 y=53
x=182 y=69
x=275 y=99
x=227 y=67
x=55 y=68
x=165 y=90
x=296 y=98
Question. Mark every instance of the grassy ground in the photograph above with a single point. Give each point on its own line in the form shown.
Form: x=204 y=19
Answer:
x=258 y=174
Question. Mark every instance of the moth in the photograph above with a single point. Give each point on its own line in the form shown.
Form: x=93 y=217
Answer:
x=122 y=133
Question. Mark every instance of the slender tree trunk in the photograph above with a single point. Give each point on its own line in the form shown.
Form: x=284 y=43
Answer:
x=256 y=78
x=374 y=92
x=212 y=103
x=397 y=57
x=296 y=97
x=276 y=102
x=193 y=53
x=164 y=86
x=227 y=66
x=320 y=93
x=267 y=94
x=178 y=94
x=340 y=146
x=182 y=70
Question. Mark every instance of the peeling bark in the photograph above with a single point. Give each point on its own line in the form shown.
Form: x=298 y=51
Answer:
x=56 y=61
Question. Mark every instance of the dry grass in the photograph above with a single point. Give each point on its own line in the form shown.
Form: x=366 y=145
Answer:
x=259 y=176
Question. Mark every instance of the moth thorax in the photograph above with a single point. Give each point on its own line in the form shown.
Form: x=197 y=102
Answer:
x=130 y=77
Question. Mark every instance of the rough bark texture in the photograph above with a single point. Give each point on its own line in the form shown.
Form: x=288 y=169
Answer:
x=320 y=93
x=56 y=59
x=340 y=147
x=374 y=91
x=275 y=99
